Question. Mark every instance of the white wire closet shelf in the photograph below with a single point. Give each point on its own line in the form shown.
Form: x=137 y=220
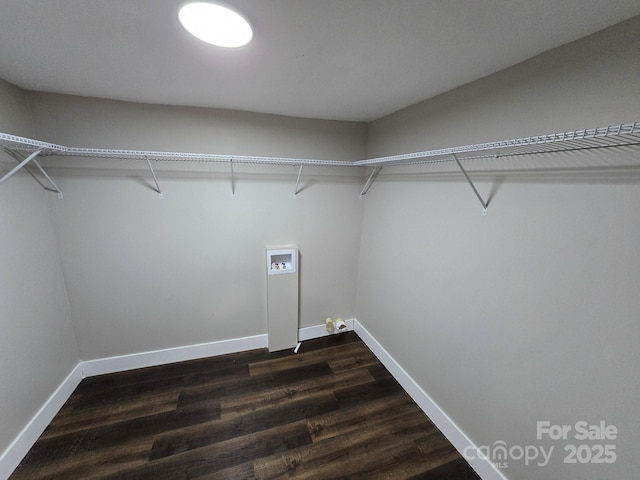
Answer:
x=595 y=138
x=602 y=137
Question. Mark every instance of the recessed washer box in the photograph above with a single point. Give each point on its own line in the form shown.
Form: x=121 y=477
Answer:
x=282 y=261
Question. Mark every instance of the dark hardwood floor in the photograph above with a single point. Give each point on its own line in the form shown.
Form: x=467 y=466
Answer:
x=332 y=411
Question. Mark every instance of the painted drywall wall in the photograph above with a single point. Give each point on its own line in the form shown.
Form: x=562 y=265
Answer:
x=530 y=313
x=146 y=273
x=97 y=123
x=15 y=118
x=37 y=342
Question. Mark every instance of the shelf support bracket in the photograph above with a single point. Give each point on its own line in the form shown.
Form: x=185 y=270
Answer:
x=233 y=179
x=23 y=163
x=370 y=180
x=58 y=191
x=155 y=179
x=485 y=205
x=296 y=191
x=20 y=165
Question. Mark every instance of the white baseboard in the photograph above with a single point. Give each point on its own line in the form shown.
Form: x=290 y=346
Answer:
x=458 y=439
x=91 y=368
x=100 y=366
x=21 y=445
x=317 y=331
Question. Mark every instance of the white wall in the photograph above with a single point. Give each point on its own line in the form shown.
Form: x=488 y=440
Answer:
x=529 y=313
x=15 y=116
x=91 y=122
x=145 y=273
x=37 y=344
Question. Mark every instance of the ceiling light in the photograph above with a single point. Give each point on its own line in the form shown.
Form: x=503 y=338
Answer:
x=215 y=24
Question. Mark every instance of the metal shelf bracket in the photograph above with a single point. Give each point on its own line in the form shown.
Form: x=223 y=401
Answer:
x=233 y=179
x=23 y=164
x=296 y=191
x=58 y=191
x=20 y=165
x=155 y=179
x=370 y=180
x=485 y=205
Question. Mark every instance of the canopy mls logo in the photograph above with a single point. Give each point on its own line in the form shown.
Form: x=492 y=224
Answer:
x=500 y=454
x=595 y=451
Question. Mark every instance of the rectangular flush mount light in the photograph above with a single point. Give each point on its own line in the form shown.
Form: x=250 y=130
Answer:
x=215 y=24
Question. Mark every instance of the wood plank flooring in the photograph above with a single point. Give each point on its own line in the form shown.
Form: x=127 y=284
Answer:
x=332 y=411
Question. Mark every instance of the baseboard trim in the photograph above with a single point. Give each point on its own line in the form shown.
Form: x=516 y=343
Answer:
x=101 y=366
x=458 y=439
x=317 y=331
x=21 y=445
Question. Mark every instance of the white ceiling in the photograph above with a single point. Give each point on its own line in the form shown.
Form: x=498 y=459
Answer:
x=335 y=59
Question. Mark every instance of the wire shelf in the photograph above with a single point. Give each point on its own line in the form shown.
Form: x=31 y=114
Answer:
x=14 y=142
x=198 y=157
x=574 y=141
x=603 y=137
